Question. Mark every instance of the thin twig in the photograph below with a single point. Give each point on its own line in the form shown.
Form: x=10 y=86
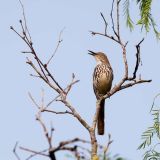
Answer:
x=41 y=76
x=43 y=67
x=108 y=145
x=38 y=117
x=118 y=26
x=55 y=112
x=58 y=43
x=51 y=132
x=105 y=35
x=25 y=21
x=111 y=14
x=35 y=152
x=105 y=22
x=33 y=100
x=15 y=151
x=67 y=89
x=42 y=99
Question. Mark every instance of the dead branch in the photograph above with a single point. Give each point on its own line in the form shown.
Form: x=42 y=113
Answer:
x=108 y=145
x=105 y=22
x=76 y=114
x=38 y=117
x=118 y=26
x=67 y=89
x=34 y=152
x=33 y=100
x=43 y=73
x=58 y=44
x=138 y=60
x=25 y=28
x=15 y=151
x=62 y=145
x=111 y=15
x=51 y=111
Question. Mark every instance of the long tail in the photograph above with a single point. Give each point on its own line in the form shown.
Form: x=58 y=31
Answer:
x=100 y=124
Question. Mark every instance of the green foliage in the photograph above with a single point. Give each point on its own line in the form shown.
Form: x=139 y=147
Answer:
x=146 y=19
x=151 y=155
x=154 y=27
x=108 y=157
x=145 y=11
x=153 y=131
x=147 y=135
x=129 y=21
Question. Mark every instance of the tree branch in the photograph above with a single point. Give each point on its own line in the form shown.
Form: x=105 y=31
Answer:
x=15 y=151
x=58 y=44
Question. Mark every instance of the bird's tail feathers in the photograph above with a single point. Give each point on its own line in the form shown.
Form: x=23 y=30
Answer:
x=101 y=124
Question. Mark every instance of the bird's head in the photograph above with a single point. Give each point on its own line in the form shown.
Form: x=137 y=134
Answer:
x=100 y=57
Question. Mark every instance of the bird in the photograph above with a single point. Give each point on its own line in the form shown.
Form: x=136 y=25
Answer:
x=102 y=83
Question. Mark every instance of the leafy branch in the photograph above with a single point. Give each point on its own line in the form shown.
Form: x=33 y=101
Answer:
x=129 y=21
x=146 y=19
x=150 y=133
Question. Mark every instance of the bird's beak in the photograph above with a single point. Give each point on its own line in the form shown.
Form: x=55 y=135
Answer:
x=91 y=53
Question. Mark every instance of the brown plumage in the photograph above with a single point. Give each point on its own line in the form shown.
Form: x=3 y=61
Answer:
x=102 y=82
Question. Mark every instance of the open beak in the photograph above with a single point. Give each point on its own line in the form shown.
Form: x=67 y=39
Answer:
x=91 y=53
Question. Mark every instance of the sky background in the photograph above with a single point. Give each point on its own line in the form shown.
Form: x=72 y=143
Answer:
x=127 y=112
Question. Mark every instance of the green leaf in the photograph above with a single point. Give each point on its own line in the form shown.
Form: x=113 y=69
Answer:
x=129 y=21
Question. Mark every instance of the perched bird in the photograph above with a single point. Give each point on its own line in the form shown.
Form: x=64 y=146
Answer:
x=102 y=83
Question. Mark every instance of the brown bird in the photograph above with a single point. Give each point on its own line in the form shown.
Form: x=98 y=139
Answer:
x=102 y=83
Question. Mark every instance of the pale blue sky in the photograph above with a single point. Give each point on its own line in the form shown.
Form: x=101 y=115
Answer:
x=127 y=112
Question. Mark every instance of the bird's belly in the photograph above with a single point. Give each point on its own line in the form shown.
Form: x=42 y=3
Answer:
x=104 y=85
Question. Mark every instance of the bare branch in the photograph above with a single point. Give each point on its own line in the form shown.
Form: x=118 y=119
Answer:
x=38 y=117
x=51 y=111
x=118 y=26
x=76 y=114
x=51 y=132
x=43 y=67
x=111 y=14
x=15 y=151
x=105 y=22
x=125 y=61
x=58 y=43
x=68 y=88
x=108 y=144
x=134 y=83
x=105 y=35
x=138 y=59
x=33 y=100
x=26 y=52
x=25 y=21
x=42 y=77
x=35 y=152
x=92 y=130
